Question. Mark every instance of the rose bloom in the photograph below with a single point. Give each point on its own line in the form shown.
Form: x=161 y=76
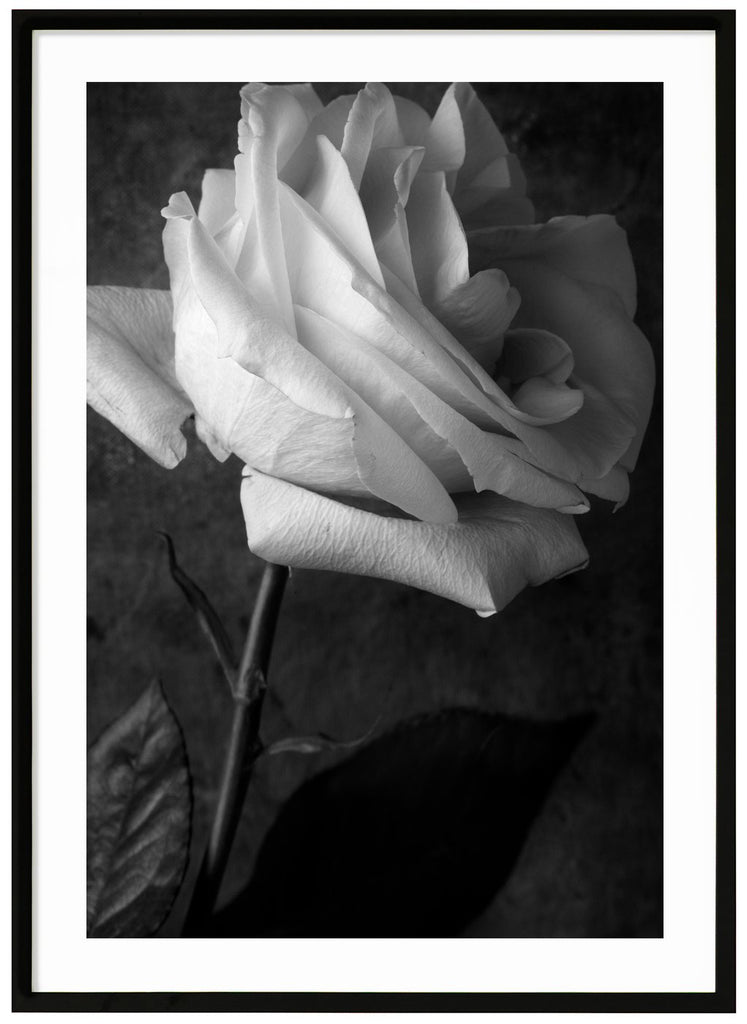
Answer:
x=424 y=385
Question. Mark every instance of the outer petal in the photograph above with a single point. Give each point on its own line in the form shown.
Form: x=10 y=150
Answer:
x=615 y=486
x=131 y=379
x=271 y=401
x=495 y=549
x=590 y=249
x=258 y=343
x=238 y=410
x=576 y=279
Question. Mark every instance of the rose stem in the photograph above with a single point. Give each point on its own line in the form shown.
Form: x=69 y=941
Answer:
x=244 y=743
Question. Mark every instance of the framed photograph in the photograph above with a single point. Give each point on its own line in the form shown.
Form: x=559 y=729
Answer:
x=401 y=686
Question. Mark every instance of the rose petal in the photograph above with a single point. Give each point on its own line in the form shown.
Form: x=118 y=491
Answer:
x=478 y=313
x=475 y=393
x=541 y=397
x=475 y=310
x=501 y=173
x=272 y=113
x=558 y=448
x=387 y=464
x=579 y=302
x=598 y=435
x=240 y=412
x=485 y=147
x=258 y=343
x=532 y=353
x=277 y=123
x=245 y=413
x=593 y=250
x=384 y=191
x=496 y=549
x=306 y=95
x=437 y=240
x=475 y=390
x=372 y=123
x=490 y=176
x=330 y=122
x=209 y=437
x=273 y=402
x=226 y=397
x=218 y=203
x=264 y=428
x=445 y=145
x=332 y=194
x=355 y=456
x=499 y=180
x=487 y=175
x=432 y=429
x=230 y=240
x=414 y=122
x=326 y=280
x=386 y=184
x=615 y=486
x=478 y=207
x=130 y=372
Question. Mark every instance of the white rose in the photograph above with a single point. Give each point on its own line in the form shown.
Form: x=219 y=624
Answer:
x=423 y=384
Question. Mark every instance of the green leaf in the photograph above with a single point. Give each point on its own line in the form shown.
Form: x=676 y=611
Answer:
x=411 y=836
x=139 y=819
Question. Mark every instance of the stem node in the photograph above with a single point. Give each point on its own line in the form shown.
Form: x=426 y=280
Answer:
x=244 y=744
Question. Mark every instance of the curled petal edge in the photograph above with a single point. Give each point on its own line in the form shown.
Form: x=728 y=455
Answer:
x=130 y=369
x=496 y=548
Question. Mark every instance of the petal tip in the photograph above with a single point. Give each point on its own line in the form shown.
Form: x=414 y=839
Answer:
x=575 y=568
x=575 y=510
x=179 y=206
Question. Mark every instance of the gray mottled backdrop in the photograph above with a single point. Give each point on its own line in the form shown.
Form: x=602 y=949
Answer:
x=350 y=649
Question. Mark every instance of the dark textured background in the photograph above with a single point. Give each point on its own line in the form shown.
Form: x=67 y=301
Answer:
x=350 y=649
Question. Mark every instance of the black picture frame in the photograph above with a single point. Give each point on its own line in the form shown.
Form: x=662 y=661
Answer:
x=25 y=999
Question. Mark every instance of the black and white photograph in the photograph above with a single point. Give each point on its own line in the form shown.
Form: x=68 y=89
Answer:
x=374 y=511
x=375 y=492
